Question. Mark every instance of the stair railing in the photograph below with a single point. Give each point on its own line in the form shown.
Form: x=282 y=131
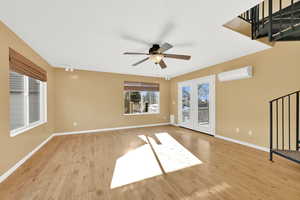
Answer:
x=281 y=118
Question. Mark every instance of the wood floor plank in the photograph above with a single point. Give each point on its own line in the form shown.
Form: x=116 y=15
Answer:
x=84 y=167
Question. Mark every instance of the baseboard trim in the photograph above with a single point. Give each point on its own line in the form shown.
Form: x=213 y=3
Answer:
x=23 y=160
x=109 y=129
x=243 y=143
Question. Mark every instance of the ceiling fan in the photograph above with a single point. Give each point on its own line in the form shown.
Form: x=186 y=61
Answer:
x=156 y=54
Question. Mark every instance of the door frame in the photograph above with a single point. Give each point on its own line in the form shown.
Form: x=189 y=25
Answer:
x=212 y=106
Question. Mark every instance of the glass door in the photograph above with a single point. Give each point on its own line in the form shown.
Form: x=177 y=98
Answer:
x=196 y=107
x=185 y=105
x=205 y=105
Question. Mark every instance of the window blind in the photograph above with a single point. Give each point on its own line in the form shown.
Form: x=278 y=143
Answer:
x=22 y=65
x=140 y=86
x=17 y=100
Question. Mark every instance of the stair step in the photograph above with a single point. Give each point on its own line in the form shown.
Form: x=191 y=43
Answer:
x=288 y=35
x=292 y=155
x=278 y=25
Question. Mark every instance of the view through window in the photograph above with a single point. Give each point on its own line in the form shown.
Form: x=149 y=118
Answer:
x=203 y=103
x=141 y=97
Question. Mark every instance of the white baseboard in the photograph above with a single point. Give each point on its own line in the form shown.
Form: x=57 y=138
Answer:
x=243 y=143
x=109 y=129
x=21 y=162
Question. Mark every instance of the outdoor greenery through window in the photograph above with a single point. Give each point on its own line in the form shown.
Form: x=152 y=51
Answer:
x=141 y=98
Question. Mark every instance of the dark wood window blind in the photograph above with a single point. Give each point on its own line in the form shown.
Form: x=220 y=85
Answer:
x=22 y=65
x=140 y=86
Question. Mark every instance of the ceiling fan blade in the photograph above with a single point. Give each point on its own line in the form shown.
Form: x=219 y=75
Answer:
x=182 y=57
x=186 y=44
x=164 y=47
x=135 y=64
x=128 y=37
x=133 y=53
x=162 y=64
x=166 y=31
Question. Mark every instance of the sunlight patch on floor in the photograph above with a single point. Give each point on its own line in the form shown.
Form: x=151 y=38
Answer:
x=134 y=166
x=162 y=154
x=172 y=155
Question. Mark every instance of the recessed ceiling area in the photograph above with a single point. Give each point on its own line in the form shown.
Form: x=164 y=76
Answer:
x=93 y=34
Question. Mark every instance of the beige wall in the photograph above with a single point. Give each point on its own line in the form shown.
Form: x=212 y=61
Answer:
x=243 y=104
x=94 y=100
x=13 y=149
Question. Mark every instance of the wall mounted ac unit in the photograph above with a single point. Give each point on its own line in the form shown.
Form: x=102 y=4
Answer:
x=237 y=74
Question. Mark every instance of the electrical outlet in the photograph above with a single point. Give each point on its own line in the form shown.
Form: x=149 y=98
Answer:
x=237 y=130
x=75 y=124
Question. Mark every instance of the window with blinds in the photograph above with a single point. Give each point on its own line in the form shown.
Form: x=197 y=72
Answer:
x=27 y=84
x=27 y=102
x=141 y=98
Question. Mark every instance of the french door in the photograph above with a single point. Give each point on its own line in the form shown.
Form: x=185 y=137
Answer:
x=196 y=104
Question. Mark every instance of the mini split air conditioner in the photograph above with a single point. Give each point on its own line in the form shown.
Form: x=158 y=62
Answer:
x=237 y=74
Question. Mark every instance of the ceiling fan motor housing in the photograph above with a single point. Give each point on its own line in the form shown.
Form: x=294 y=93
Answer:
x=154 y=48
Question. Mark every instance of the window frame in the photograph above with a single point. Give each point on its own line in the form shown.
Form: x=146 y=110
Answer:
x=144 y=113
x=43 y=108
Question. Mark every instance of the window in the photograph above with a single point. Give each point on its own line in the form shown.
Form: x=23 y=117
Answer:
x=28 y=90
x=141 y=98
x=27 y=103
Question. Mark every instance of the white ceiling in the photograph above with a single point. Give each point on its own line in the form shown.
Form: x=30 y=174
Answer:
x=92 y=34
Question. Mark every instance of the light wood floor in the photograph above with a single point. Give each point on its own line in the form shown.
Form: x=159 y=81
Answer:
x=83 y=166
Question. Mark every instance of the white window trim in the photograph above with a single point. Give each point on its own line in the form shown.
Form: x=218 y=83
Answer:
x=153 y=113
x=148 y=113
x=43 y=109
x=18 y=131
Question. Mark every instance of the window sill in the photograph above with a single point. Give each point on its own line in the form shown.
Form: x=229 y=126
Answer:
x=18 y=131
x=132 y=114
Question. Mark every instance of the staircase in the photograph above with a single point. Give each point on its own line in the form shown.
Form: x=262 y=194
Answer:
x=284 y=127
x=279 y=20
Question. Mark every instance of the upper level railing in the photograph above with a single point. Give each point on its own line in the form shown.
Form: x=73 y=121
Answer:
x=277 y=19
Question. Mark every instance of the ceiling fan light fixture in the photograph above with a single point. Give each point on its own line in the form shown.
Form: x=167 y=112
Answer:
x=69 y=69
x=156 y=58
